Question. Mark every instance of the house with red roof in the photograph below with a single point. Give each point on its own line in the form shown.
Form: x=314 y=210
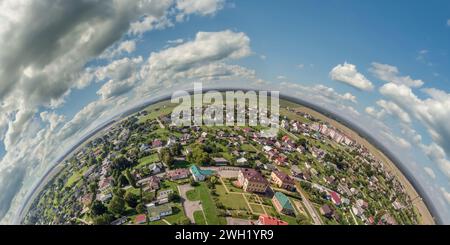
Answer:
x=179 y=173
x=140 y=219
x=268 y=220
x=335 y=198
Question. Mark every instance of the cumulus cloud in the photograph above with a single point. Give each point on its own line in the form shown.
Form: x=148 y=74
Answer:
x=390 y=74
x=10 y=183
x=324 y=95
x=348 y=74
x=432 y=112
x=125 y=47
x=430 y=172
x=46 y=46
x=446 y=194
x=388 y=108
x=199 y=7
x=207 y=48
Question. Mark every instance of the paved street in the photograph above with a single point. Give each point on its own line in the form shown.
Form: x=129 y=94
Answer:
x=189 y=206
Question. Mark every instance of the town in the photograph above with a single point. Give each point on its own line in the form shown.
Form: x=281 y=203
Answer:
x=145 y=169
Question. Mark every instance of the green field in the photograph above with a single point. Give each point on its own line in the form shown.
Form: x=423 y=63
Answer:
x=231 y=200
x=209 y=207
x=199 y=218
x=148 y=160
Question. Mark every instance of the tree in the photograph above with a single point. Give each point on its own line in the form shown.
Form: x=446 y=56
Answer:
x=121 y=163
x=123 y=181
x=130 y=178
x=140 y=208
x=97 y=208
x=117 y=205
x=175 y=149
x=174 y=197
x=166 y=157
x=131 y=199
x=198 y=155
x=104 y=219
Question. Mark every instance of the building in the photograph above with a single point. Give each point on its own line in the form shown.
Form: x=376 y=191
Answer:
x=158 y=212
x=87 y=199
x=220 y=161
x=267 y=220
x=282 y=204
x=179 y=173
x=283 y=180
x=241 y=161
x=153 y=183
x=196 y=174
x=140 y=219
x=156 y=168
x=252 y=181
x=326 y=211
x=335 y=198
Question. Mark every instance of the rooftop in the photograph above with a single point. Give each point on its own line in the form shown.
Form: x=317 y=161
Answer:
x=283 y=200
x=253 y=175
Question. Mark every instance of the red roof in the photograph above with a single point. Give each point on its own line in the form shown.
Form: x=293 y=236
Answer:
x=285 y=138
x=141 y=218
x=335 y=197
x=267 y=220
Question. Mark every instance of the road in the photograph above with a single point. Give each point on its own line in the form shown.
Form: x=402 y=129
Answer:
x=160 y=124
x=311 y=210
x=189 y=206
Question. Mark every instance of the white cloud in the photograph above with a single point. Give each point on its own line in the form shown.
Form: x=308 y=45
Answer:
x=390 y=74
x=433 y=113
x=348 y=74
x=430 y=172
x=446 y=194
x=123 y=75
x=301 y=66
x=199 y=7
x=281 y=77
x=205 y=49
x=396 y=140
x=176 y=41
x=45 y=48
x=389 y=108
x=448 y=22
x=125 y=47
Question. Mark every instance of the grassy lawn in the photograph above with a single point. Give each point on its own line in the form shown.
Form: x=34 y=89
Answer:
x=199 y=218
x=165 y=185
x=157 y=222
x=248 y=148
x=147 y=160
x=76 y=176
x=193 y=195
x=231 y=200
x=209 y=207
x=230 y=186
x=177 y=215
x=257 y=209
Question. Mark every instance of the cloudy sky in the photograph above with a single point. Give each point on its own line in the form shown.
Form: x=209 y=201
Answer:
x=68 y=66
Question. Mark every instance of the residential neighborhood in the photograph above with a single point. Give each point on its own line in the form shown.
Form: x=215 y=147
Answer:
x=145 y=170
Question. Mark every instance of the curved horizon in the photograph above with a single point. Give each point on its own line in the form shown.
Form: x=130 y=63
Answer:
x=327 y=113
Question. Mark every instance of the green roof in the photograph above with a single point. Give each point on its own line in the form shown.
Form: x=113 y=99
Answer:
x=197 y=171
x=284 y=201
x=157 y=210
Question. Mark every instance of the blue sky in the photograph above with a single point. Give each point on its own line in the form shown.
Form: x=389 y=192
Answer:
x=291 y=42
